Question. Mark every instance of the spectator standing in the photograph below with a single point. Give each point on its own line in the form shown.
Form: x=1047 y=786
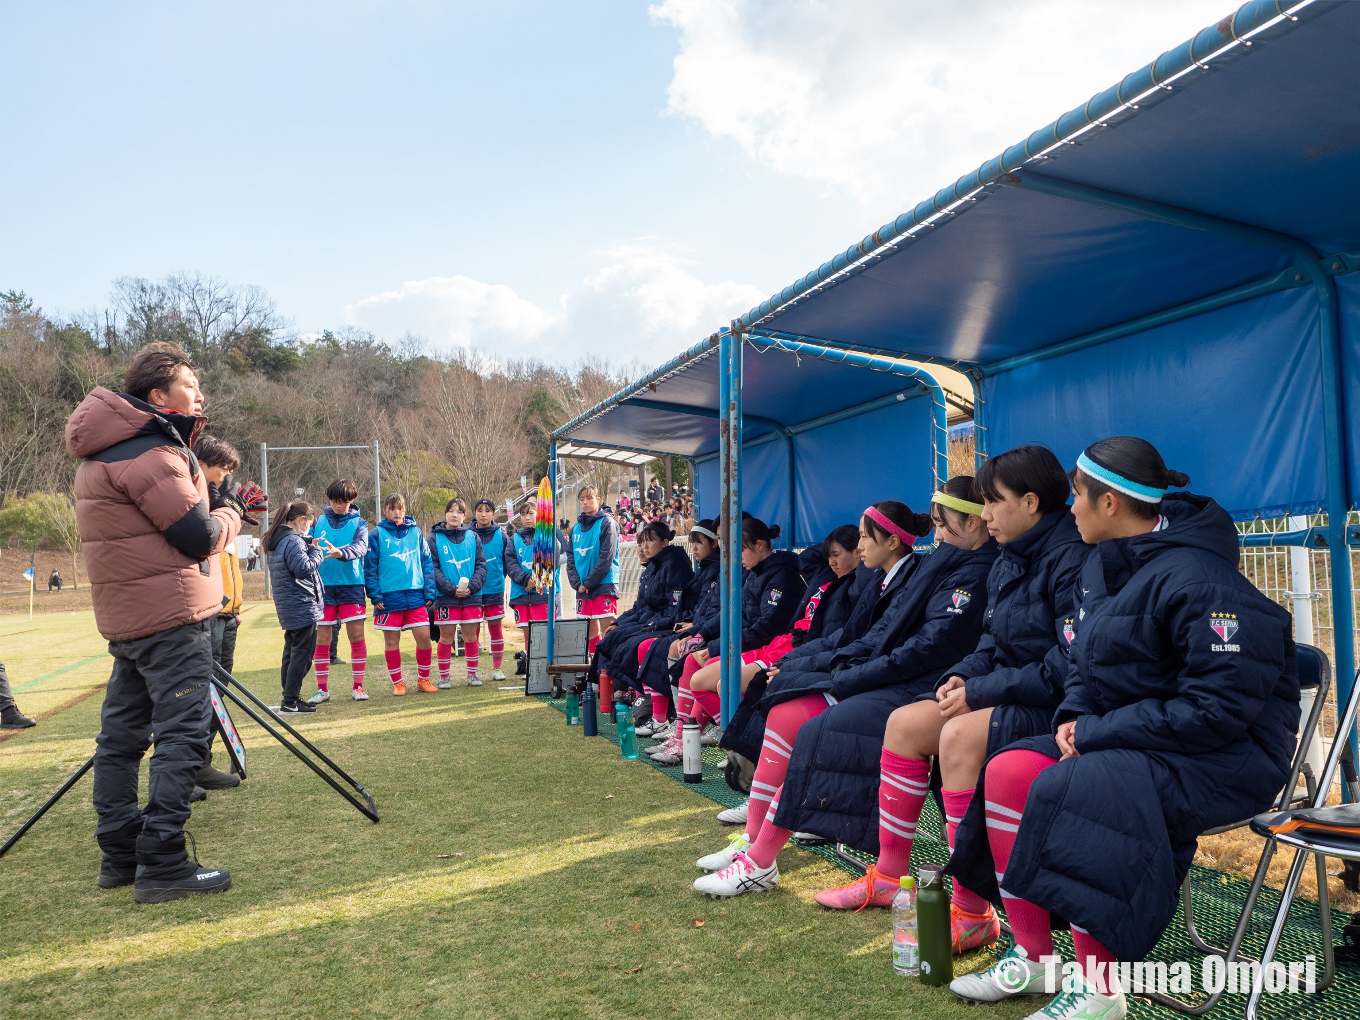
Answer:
x=151 y=537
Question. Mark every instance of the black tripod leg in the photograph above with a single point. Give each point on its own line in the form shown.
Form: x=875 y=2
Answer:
x=43 y=810
x=226 y=678
x=368 y=811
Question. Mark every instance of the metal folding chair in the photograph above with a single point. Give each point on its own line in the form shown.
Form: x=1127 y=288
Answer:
x=1315 y=673
x=1304 y=845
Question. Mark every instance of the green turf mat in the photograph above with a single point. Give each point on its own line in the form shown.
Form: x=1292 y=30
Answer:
x=1218 y=899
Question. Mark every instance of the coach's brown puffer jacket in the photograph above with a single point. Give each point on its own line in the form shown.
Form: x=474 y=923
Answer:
x=142 y=507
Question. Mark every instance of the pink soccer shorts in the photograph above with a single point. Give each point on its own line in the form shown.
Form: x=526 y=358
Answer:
x=600 y=607
x=493 y=612
x=401 y=619
x=342 y=614
x=457 y=614
x=524 y=615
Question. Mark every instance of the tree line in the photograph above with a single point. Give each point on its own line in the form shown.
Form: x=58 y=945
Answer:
x=467 y=423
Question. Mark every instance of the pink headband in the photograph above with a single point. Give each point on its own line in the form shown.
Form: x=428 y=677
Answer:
x=881 y=519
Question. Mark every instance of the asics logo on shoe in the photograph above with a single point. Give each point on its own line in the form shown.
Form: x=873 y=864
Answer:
x=207 y=874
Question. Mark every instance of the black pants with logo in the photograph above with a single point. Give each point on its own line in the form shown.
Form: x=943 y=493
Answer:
x=159 y=685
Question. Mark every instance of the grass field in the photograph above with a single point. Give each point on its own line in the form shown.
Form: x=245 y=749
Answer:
x=519 y=871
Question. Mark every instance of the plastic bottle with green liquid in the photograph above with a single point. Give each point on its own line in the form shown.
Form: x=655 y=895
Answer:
x=623 y=716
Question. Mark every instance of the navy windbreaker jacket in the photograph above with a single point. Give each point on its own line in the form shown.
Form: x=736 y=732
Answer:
x=845 y=607
x=831 y=787
x=769 y=594
x=661 y=592
x=293 y=574
x=1185 y=691
x=1031 y=594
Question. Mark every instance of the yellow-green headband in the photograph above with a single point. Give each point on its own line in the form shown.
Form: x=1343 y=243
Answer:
x=954 y=503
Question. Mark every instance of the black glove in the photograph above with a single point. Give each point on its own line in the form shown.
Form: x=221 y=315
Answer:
x=247 y=500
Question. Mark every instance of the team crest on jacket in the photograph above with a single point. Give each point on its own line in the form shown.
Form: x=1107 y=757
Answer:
x=1069 y=630
x=775 y=596
x=1225 y=626
x=961 y=599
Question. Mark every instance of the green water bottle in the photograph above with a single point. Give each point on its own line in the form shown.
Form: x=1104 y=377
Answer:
x=573 y=708
x=623 y=716
x=932 y=917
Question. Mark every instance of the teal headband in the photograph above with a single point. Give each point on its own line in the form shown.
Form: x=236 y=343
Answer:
x=1119 y=483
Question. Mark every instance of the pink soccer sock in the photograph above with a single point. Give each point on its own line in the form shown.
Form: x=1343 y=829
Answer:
x=902 y=786
x=709 y=706
x=661 y=707
x=1009 y=777
x=497 y=643
x=423 y=664
x=772 y=838
x=781 y=730
x=393 y=656
x=955 y=804
x=321 y=662
x=358 y=661
x=1094 y=959
x=473 y=657
x=686 y=707
x=445 y=660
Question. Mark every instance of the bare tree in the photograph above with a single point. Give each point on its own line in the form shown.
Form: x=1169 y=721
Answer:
x=478 y=425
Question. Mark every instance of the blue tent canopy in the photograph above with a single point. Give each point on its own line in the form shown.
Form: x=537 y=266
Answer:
x=821 y=436
x=1172 y=259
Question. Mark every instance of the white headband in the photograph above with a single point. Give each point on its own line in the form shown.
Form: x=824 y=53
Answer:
x=697 y=530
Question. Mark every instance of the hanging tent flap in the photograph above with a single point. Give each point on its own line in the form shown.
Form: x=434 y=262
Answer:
x=1232 y=398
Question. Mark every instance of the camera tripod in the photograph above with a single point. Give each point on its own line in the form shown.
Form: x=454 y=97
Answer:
x=221 y=687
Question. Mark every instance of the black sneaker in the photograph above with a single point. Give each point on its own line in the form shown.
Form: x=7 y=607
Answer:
x=197 y=795
x=296 y=708
x=12 y=719
x=164 y=872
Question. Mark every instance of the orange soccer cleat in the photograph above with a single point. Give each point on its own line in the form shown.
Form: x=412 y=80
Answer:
x=873 y=890
x=426 y=687
x=399 y=688
x=972 y=931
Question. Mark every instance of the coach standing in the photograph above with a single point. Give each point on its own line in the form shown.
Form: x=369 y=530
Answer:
x=150 y=537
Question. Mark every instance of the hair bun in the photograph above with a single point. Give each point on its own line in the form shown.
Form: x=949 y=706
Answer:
x=921 y=525
x=773 y=531
x=1177 y=479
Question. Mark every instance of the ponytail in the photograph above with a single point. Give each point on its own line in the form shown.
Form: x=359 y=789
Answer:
x=900 y=515
x=754 y=530
x=294 y=510
x=1131 y=466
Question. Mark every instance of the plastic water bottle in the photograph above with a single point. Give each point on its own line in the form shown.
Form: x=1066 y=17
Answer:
x=932 y=907
x=628 y=745
x=906 y=950
x=573 y=708
x=590 y=725
x=691 y=752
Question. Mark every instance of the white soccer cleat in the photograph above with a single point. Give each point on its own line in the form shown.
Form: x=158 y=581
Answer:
x=360 y=694
x=735 y=815
x=319 y=697
x=444 y=683
x=743 y=875
x=1014 y=974
x=1087 y=1004
x=474 y=680
x=737 y=844
x=710 y=735
x=498 y=676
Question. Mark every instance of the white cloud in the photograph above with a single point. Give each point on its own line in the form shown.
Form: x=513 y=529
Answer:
x=644 y=301
x=892 y=101
x=451 y=311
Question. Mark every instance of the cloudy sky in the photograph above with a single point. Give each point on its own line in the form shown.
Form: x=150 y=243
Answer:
x=532 y=179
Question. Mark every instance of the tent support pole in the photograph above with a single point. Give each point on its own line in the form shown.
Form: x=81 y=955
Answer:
x=1310 y=268
x=552 y=584
x=729 y=443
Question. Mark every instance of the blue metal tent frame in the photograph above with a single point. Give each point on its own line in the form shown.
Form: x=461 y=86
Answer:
x=731 y=418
